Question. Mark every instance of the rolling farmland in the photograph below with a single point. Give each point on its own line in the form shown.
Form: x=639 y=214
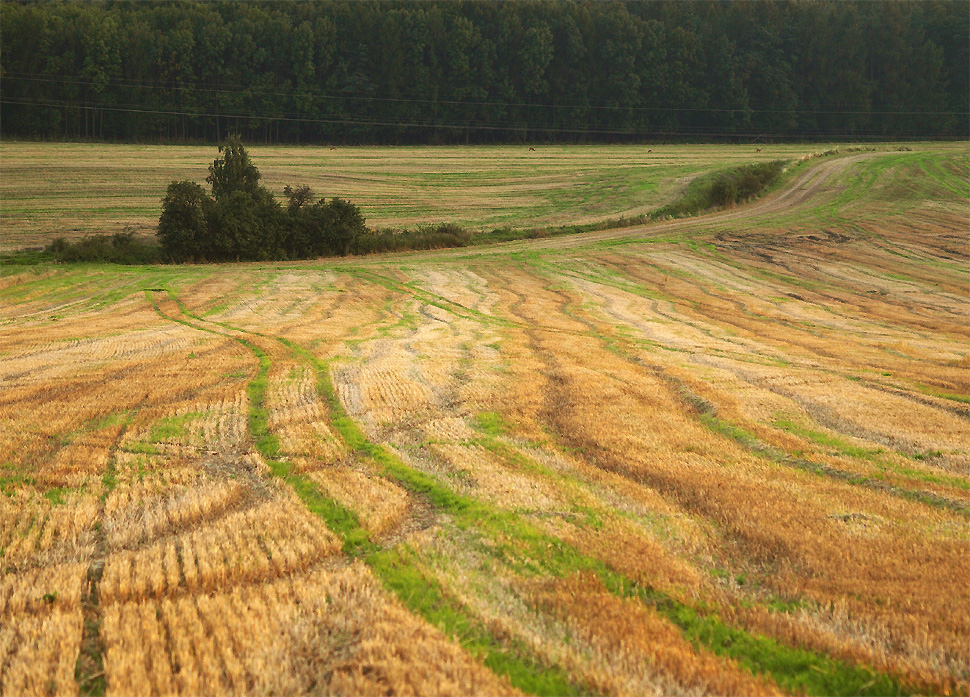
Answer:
x=75 y=189
x=720 y=455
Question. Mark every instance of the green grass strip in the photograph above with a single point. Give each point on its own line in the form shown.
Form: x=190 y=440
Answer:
x=339 y=519
x=528 y=550
x=943 y=394
x=424 y=596
x=752 y=443
x=395 y=568
x=419 y=593
x=794 y=669
x=430 y=298
x=869 y=455
x=531 y=551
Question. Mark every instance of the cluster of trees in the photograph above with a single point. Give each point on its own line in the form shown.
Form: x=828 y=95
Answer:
x=480 y=71
x=242 y=220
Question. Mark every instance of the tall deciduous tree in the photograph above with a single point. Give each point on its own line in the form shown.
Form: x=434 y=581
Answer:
x=233 y=172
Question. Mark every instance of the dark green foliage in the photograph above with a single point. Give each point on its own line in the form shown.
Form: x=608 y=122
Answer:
x=243 y=221
x=342 y=224
x=234 y=173
x=182 y=225
x=121 y=248
x=245 y=225
x=298 y=197
x=723 y=189
x=439 y=236
x=415 y=71
x=740 y=184
x=321 y=229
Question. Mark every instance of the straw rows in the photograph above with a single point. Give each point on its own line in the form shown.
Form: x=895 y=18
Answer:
x=784 y=521
x=35 y=531
x=762 y=420
x=299 y=418
x=135 y=512
x=40 y=628
x=580 y=373
x=332 y=631
x=275 y=538
x=380 y=504
x=614 y=646
x=207 y=426
x=637 y=643
x=34 y=649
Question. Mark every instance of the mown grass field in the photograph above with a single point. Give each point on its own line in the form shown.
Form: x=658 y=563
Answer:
x=69 y=190
x=720 y=455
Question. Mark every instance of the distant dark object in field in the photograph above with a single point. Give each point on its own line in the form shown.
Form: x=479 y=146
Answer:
x=649 y=151
x=757 y=149
x=532 y=149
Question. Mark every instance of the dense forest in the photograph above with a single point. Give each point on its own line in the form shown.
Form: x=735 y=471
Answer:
x=457 y=72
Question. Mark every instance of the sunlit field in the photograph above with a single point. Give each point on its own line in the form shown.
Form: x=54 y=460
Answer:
x=719 y=455
x=53 y=190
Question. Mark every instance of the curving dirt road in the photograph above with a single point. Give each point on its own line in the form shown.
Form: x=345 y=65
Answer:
x=803 y=190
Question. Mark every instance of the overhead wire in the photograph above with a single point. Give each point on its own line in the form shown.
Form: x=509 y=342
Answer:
x=305 y=92
x=470 y=125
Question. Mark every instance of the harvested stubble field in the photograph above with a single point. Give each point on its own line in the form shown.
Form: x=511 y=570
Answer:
x=725 y=455
x=67 y=190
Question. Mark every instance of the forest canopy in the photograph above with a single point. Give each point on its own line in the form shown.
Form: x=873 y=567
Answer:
x=456 y=72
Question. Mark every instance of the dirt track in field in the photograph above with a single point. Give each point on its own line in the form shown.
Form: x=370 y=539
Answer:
x=804 y=191
x=601 y=454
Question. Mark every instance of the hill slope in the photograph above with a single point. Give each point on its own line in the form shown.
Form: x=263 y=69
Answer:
x=719 y=455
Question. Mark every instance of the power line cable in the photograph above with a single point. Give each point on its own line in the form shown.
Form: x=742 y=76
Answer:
x=479 y=126
x=318 y=94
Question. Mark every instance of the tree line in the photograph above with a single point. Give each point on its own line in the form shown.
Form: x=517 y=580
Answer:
x=481 y=72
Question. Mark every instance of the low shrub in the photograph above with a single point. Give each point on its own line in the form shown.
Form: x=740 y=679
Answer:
x=723 y=189
x=437 y=236
x=120 y=248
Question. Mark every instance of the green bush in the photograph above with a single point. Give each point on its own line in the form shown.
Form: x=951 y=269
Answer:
x=723 y=189
x=120 y=248
x=182 y=227
x=321 y=228
x=242 y=220
x=438 y=236
x=234 y=171
x=343 y=225
x=245 y=225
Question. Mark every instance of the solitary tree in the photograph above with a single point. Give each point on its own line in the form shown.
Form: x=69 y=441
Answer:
x=245 y=221
x=234 y=172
